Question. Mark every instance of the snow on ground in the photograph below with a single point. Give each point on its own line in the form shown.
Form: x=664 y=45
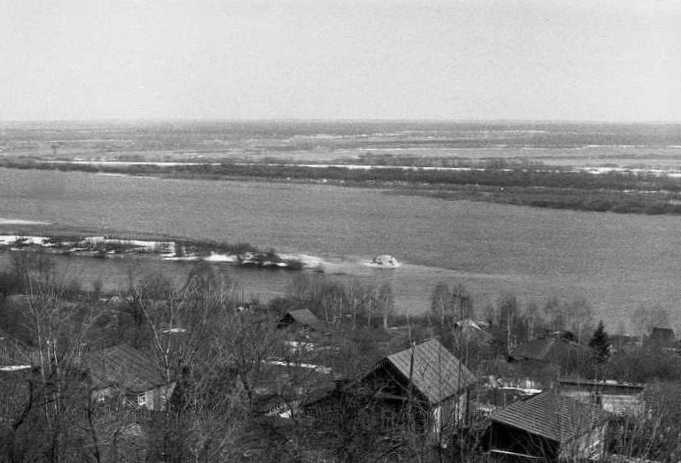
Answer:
x=5 y=221
x=317 y=368
x=135 y=163
x=214 y=257
x=8 y=240
x=174 y=331
x=15 y=367
x=307 y=260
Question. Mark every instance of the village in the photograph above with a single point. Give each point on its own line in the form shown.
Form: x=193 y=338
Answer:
x=325 y=373
x=340 y=231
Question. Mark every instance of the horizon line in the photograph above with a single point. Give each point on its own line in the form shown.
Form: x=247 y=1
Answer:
x=339 y=120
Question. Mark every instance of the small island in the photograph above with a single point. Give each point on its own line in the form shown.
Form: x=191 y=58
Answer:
x=169 y=250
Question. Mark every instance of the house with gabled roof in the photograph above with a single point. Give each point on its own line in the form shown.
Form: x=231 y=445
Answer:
x=302 y=318
x=434 y=372
x=123 y=371
x=547 y=427
x=424 y=384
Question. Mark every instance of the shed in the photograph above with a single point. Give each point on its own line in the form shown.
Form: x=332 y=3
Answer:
x=615 y=397
x=548 y=427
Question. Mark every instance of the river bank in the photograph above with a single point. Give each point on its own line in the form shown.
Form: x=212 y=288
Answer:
x=648 y=191
x=34 y=237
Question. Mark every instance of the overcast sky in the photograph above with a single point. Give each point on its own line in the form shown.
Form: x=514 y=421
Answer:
x=324 y=59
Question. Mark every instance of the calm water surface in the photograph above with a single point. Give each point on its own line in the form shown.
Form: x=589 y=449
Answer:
x=616 y=261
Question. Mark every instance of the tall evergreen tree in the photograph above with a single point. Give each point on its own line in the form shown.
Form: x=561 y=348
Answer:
x=600 y=343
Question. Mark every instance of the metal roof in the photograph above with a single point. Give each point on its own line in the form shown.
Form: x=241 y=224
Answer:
x=552 y=416
x=436 y=373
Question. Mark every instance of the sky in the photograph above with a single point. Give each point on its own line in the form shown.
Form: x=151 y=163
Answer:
x=341 y=59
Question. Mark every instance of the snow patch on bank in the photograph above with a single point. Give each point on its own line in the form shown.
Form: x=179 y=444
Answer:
x=15 y=367
x=215 y=257
x=11 y=240
x=307 y=260
x=4 y=221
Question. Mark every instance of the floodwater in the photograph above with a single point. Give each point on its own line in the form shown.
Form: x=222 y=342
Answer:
x=616 y=261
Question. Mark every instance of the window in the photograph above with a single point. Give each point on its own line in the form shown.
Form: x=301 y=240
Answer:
x=142 y=399
x=387 y=419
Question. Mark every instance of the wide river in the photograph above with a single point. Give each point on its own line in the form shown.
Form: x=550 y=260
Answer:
x=616 y=261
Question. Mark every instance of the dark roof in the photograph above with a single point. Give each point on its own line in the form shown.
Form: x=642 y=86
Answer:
x=125 y=367
x=552 y=416
x=550 y=348
x=662 y=335
x=302 y=316
x=436 y=373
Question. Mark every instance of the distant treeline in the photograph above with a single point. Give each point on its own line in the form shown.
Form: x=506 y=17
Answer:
x=536 y=186
x=631 y=202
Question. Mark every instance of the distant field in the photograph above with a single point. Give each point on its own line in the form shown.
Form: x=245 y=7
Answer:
x=574 y=144
x=638 y=165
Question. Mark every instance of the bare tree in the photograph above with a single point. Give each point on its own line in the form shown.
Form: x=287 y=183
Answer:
x=386 y=303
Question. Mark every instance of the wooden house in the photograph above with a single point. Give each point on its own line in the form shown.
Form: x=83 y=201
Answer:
x=301 y=319
x=425 y=385
x=547 y=427
x=123 y=371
